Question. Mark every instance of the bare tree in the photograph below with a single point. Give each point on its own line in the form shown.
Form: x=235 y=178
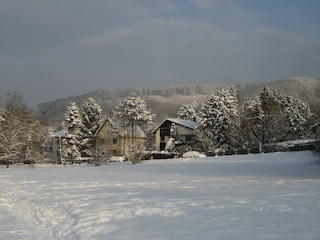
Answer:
x=16 y=129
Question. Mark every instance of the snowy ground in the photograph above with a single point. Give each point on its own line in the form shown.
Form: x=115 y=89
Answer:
x=266 y=196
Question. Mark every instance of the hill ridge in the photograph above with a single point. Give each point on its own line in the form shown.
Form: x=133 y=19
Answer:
x=165 y=101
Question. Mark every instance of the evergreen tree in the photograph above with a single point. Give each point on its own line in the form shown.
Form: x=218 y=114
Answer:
x=188 y=112
x=91 y=116
x=74 y=126
x=274 y=119
x=91 y=120
x=252 y=123
x=220 y=120
x=132 y=112
x=297 y=114
x=230 y=101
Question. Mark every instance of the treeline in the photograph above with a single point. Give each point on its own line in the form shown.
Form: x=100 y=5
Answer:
x=225 y=119
x=229 y=122
x=165 y=98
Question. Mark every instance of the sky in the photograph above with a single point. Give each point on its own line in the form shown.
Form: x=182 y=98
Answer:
x=56 y=49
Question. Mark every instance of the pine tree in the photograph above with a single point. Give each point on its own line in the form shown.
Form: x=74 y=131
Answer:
x=91 y=120
x=252 y=123
x=91 y=116
x=220 y=120
x=297 y=114
x=230 y=101
x=188 y=112
x=132 y=112
x=274 y=118
x=74 y=125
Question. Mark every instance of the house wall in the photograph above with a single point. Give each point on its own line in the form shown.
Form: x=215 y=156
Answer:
x=157 y=140
x=162 y=135
x=182 y=131
x=115 y=141
x=110 y=139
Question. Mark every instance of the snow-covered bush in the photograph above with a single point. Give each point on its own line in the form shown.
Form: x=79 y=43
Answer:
x=193 y=154
x=170 y=145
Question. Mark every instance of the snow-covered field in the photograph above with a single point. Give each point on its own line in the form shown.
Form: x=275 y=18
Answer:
x=266 y=196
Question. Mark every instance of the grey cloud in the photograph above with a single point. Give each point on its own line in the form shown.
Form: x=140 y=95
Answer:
x=59 y=49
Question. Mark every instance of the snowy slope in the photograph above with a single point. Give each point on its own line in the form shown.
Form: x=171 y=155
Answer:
x=266 y=196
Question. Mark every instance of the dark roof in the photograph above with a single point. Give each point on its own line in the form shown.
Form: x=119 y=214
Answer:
x=182 y=122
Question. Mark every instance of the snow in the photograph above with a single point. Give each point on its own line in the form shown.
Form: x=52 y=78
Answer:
x=62 y=133
x=258 y=197
x=193 y=154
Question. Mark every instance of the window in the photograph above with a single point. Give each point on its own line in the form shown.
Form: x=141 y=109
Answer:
x=115 y=140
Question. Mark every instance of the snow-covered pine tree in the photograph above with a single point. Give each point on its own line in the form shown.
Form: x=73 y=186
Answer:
x=274 y=118
x=230 y=100
x=72 y=143
x=91 y=116
x=220 y=120
x=188 y=112
x=252 y=117
x=133 y=112
x=208 y=116
x=91 y=120
x=297 y=113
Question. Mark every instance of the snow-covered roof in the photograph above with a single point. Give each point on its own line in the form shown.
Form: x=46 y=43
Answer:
x=62 y=133
x=183 y=122
x=127 y=131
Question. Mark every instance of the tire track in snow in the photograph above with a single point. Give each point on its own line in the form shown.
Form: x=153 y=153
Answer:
x=33 y=218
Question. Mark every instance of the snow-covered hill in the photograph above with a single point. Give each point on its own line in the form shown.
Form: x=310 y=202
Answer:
x=166 y=101
x=265 y=196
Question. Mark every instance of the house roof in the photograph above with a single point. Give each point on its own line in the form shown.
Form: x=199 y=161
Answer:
x=60 y=134
x=182 y=122
x=122 y=131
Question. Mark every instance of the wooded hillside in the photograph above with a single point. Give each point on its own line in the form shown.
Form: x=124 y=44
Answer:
x=166 y=101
